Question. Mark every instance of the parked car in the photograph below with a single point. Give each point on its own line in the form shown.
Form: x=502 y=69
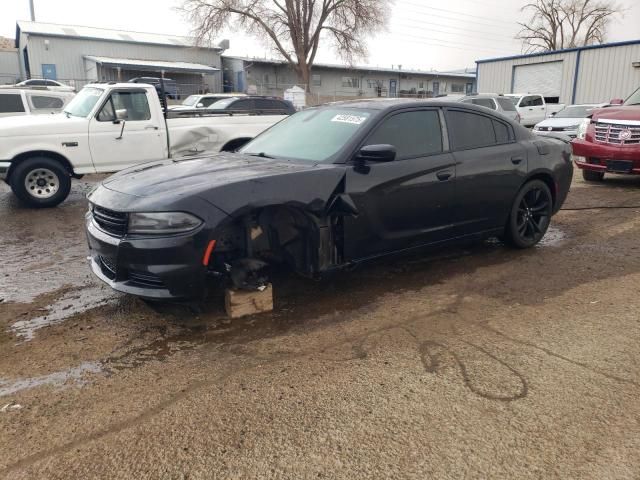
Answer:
x=567 y=120
x=533 y=108
x=609 y=140
x=328 y=187
x=203 y=100
x=267 y=104
x=108 y=127
x=170 y=86
x=43 y=82
x=24 y=101
x=496 y=102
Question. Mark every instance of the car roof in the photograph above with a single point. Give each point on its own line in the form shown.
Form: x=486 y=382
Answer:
x=397 y=103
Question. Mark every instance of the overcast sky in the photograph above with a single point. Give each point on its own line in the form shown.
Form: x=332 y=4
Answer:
x=422 y=34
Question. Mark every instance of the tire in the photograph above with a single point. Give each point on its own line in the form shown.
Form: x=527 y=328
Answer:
x=40 y=182
x=530 y=215
x=591 y=176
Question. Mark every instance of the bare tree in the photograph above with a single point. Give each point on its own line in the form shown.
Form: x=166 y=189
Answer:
x=295 y=28
x=558 y=24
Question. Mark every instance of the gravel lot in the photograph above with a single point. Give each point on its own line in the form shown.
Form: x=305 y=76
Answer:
x=473 y=362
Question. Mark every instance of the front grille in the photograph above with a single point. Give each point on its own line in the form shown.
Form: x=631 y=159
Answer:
x=145 y=279
x=110 y=221
x=618 y=134
x=108 y=267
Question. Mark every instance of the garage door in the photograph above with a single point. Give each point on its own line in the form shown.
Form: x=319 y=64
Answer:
x=544 y=78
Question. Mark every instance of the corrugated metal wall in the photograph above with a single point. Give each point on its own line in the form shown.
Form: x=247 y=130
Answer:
x=497 y=76
x=607 y=73
x=604 y=73
x=9 y=66
x=68 y=54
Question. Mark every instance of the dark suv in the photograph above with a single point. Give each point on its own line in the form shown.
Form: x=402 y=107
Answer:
x=170 y=86
x=274 y=105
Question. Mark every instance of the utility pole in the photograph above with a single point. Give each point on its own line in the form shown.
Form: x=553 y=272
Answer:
x=33 y=11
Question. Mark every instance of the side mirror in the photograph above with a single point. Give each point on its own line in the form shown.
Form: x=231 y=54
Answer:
x=616 y=101
x=377 y=153
x=122 y=114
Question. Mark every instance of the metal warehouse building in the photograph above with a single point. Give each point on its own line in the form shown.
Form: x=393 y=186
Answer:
x=77 y=55
x=591 y=74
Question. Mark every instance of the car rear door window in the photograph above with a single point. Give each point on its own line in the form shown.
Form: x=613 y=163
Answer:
x=506 y=104
x=43 y=101
x=470 y=130
x=11 y=103
x=484 y=102
x=414 y=134
x=502 y=131
x=242 y=105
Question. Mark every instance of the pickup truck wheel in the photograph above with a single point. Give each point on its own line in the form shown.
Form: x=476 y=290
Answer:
x=591 y=176
x=530 y=215
x=40 y=182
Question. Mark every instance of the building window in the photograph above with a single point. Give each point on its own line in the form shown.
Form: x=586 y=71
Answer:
x=457 y=88
x=420 y=84
x=266 y=79
x=316 y=81
x=351 y=82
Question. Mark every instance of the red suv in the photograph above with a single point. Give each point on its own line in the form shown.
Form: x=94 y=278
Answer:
x=609 y=141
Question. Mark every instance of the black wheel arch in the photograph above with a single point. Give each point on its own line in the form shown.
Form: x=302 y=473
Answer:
x=547 y=178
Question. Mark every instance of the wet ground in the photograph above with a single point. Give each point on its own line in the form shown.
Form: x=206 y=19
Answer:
x=478 y=362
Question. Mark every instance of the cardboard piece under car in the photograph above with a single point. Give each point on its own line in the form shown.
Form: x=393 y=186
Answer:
x=239 y=303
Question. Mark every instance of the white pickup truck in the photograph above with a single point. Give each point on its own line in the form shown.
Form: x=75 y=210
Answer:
x=108 y=127
x=533 y=108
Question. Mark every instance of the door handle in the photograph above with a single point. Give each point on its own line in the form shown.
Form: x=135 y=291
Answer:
x=444 y=175
x=151 y=127
x=516 y=160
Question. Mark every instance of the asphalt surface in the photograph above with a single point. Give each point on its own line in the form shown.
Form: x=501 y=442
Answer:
x=472 y=362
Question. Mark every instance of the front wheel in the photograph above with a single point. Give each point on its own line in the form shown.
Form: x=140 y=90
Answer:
x=40 y=182
x=591 y=176
x=530 y=215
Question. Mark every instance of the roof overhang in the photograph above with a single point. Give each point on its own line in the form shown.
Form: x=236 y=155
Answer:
x=152 y=65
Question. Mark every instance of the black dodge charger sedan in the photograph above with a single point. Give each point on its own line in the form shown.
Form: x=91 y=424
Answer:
x=327 y=187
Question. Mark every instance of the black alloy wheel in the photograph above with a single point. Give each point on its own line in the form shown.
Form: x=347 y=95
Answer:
x=530 y=215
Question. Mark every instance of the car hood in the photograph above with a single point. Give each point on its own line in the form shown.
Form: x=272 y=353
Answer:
x=559 y=122
x=227 y=180
x=32 y=125
x=617 y=113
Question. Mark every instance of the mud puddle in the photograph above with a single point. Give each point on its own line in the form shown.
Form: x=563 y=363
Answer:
x=74 y=375
x=71 y=303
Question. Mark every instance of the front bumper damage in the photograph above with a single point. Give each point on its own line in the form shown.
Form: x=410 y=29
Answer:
x=156 y=268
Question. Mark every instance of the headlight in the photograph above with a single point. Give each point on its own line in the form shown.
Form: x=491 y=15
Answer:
x=572 y=127
x=582 y=128
x=536 y=128
x=162 y=223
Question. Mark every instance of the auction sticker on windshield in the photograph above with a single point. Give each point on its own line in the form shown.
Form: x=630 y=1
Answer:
x=353 y=119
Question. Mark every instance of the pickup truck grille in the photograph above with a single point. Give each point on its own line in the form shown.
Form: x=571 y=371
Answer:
x=617 y=134
x=114 y=223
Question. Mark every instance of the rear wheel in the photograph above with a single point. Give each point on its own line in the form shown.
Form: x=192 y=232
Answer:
x=530 y=215
x=40 y=182
x=591 y=176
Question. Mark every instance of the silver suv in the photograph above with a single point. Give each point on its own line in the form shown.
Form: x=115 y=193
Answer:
x=494 y=101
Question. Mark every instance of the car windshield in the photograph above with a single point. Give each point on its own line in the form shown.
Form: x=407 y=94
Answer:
x=578 y=111
x=83 y=102
x=506 y=104
x=313 y=135
x=634 y=99
x=191 y=100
